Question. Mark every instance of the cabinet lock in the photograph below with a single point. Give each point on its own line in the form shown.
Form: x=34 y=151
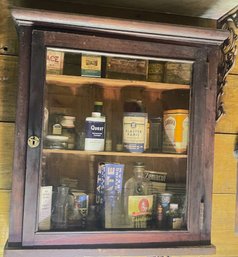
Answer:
x=33 y=141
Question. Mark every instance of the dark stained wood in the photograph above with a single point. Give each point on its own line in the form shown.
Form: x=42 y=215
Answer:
x=19 y=165
x=122 y=37
x=163 y=251
x=34 y=129
x=200 y=169
x=208 y=144
x=122 y=27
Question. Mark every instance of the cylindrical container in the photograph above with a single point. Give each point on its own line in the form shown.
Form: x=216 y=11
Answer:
x=175 y=135
x=68 y=129
x=56 y=142
x=95 y=132
x=60 y=207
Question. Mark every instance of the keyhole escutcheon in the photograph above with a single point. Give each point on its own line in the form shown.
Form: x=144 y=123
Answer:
x=33 y=141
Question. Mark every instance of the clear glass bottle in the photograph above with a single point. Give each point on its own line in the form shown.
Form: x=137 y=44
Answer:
x=60 y=207
x=138 y=199
x=137 y=185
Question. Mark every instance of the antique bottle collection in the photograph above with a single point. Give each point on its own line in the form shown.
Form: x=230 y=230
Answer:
x=125 y=194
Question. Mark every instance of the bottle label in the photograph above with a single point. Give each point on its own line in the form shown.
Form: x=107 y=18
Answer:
x=140 y=205
x=91 y=66
x=95 y=129
x=55 y=62
x=175 y=137
x=134 y=131
x=95 y=135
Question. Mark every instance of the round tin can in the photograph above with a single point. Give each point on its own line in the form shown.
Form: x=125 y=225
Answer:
x=175 y=136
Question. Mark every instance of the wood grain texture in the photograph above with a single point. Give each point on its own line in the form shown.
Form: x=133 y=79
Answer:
x=223 y=221
x=78 y=81
x=223 y=225
x=191 y=35
x=8 y=84
x=229 y=122
x=8 y=35
x=4 y=213
x=6 y=154
x=224 y=179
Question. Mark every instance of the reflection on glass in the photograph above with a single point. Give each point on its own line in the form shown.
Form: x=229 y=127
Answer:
x=116 y=135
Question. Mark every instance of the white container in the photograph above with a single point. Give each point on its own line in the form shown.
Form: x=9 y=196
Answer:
x=95 y=132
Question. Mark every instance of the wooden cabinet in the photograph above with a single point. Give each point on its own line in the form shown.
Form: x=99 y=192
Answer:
x=157 y=86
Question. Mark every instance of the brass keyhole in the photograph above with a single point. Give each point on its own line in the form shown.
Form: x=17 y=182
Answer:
x=33 y=141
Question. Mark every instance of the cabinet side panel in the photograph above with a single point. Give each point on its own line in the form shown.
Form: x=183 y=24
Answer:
x=15 y=232
x=34 y=129
x=202 y=137
x=208 y=153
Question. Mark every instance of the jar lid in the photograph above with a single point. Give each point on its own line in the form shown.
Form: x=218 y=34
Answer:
x=68 y=121
x=139 y=164
x=70 y=118
x=56 y=138
x=176 y=111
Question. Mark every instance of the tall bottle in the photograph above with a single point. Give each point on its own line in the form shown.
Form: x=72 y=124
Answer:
x=138 y=202
x=60 y=207
x=95 y=130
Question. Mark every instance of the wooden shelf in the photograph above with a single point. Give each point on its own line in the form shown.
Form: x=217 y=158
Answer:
x=77 y=81
x=122 y=154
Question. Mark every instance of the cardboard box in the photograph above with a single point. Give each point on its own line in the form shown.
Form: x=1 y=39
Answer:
x=91 y=65
x=108 y=193
x=54 y=62
x=44 y=218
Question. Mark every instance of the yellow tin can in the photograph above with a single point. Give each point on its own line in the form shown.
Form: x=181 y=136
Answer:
x=175 y=135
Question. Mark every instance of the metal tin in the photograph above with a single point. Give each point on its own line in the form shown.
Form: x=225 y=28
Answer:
x=175 y=136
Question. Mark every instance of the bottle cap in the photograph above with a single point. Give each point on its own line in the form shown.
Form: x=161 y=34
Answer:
x=98 y=103
x=139 y=164
x=68 y=121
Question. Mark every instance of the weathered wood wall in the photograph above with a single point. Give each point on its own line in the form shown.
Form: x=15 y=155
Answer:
x=224 y=191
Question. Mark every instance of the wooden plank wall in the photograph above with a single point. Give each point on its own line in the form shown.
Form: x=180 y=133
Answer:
x=224 y=191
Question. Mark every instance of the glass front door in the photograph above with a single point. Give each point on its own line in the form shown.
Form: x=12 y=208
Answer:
x=115 y=142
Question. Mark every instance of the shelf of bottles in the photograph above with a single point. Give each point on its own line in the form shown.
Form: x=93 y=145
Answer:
x=115 y=139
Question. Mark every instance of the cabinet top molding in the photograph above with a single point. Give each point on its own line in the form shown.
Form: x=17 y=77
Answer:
x=59 y=20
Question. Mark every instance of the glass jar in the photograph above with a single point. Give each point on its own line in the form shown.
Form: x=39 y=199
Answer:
x=56 y=142
x=68 y=130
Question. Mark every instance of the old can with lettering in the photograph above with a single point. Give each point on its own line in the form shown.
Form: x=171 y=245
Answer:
x=175 y=135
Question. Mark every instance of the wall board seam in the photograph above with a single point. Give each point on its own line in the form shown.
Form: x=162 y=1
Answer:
x=226 y=133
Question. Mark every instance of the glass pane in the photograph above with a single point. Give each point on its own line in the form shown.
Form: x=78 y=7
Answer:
x=115 y=132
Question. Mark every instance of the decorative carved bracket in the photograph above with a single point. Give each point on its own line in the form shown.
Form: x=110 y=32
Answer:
x=228 y=54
